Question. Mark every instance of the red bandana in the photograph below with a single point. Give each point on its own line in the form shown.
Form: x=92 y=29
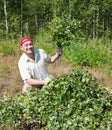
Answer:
x=25 y=39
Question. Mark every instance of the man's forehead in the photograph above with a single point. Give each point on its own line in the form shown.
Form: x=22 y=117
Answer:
x=27 y=42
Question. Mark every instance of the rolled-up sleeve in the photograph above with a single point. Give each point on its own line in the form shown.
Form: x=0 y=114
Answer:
x=24 y=71
x=46 y=56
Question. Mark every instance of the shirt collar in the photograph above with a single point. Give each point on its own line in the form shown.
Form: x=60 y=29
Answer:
x=26 y=58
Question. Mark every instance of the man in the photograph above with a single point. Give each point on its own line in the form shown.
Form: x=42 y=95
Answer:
x=32 y=64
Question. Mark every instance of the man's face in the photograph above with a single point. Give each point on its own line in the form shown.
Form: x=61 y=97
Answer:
x=28 y=47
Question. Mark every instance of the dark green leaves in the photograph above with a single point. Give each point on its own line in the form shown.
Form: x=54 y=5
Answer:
x=69 y=101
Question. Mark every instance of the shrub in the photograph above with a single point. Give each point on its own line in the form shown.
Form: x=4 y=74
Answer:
x=70 y=101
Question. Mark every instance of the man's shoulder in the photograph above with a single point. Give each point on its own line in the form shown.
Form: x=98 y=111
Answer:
x=22 y=59
x=39 y=50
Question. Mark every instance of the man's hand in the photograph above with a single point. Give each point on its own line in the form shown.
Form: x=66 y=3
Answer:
x=59 y=52
x=46 y=82
x=56 y=56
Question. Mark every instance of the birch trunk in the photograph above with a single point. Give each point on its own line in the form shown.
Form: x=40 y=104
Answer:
x=97 y=21
x=6 y=19
x=94 y=25
x=36 y=23
x=21 y=19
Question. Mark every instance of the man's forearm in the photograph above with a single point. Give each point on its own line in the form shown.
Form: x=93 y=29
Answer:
x=37 y=82
x=54 y=58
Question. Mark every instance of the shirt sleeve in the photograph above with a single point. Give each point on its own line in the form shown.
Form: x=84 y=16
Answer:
x=46 y=56
x=24 y=71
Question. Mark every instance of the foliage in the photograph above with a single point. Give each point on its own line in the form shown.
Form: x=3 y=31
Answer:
x=42 y=40
x=26 y=17
x=64 y=30
x=91 y=54
x=70 y=101
x=6 y=49
x=9 y=47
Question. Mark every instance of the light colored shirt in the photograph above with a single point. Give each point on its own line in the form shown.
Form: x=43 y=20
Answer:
x=34 y=69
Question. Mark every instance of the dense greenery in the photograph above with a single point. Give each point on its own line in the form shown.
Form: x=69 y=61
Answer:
x=70 y=101
x=89 y=54
x=89 y=18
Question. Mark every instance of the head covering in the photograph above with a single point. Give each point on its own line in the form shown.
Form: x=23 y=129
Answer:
x=25 y=39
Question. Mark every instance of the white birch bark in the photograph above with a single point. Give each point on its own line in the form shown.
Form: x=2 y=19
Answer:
x=21 y=18
x=36 y=23
x=94 y=25
x=6 y=18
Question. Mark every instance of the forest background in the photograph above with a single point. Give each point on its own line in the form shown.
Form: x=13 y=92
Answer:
x=89 y=19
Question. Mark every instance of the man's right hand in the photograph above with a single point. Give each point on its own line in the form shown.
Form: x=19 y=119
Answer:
x=46 y=81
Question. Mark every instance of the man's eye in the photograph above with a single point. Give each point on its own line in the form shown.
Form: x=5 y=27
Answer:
x=29 y=44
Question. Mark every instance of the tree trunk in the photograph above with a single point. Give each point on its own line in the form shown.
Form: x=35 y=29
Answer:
x=36 y=23
x=94 y=24
x=27 y=27
x=21 y=19
x=97 y=21
x=6 y=19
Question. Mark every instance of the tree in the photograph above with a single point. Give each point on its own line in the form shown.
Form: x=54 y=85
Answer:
x=6 y=19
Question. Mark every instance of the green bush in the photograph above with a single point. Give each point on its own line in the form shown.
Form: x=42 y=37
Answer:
x=89 y=55
x=70 y=101
x=64 y=30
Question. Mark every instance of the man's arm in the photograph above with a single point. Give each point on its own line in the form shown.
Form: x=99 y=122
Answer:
x=56 y=56
x=34 y=82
